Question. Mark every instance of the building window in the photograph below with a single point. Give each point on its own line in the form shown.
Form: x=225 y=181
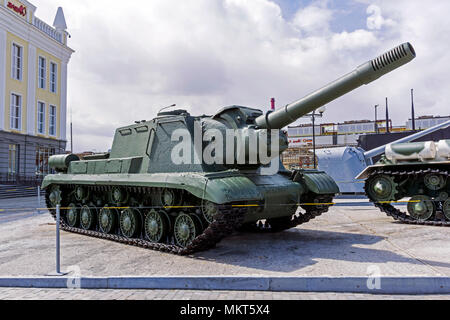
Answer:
x=53 y=77
x=16 y=112
x=13 y=159
x=17 y=59
x=41 y=117
x=52 y=124
x=42 y=72
x=42 y=156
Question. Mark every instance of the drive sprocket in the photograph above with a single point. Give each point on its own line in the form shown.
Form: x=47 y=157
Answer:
x=381 y=188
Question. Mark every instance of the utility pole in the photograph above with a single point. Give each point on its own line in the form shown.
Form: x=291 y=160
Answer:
x=387 y=116
x=376 y=118
x=71 y=133
x=313 y=116
x=314 y=138
x=413 y=116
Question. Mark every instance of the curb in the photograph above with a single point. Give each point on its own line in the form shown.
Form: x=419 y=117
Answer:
x=388 y=285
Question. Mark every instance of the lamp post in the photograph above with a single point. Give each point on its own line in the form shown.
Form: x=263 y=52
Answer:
x=376 y=118
x=313 y=116
x=314 y=137
x=413 y=116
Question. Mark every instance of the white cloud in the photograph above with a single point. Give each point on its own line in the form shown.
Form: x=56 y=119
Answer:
x=313 y=19
x=134 y=57
x=353 y=40
x=376 y=21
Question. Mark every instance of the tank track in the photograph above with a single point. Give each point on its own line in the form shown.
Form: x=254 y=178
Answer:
x=226 y=221
x=398 y=215
x=312 y=212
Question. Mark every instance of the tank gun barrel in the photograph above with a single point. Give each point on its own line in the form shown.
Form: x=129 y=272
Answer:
x=363 y=75
x=380 y=150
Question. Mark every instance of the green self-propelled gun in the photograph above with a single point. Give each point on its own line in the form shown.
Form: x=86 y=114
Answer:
x=137 y=194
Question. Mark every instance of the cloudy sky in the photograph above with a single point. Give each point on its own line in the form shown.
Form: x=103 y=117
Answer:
x=134 y=57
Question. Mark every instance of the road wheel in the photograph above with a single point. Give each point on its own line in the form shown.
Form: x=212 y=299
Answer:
x=156 y=226
x=186 y=229
x=73 y=216
x=107 y=220
x=87 y=218
x=130 y=223
x=446 y=209
x=421 y=208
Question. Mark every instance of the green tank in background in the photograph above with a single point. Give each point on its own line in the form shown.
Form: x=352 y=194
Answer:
x=419 y=171
x=137 y=194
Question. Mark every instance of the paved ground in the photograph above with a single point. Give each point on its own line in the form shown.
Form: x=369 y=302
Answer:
x=344 y=242
x=47 y=294
x=347 y=241
x=20 y=208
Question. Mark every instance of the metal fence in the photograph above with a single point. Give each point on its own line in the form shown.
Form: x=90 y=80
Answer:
x=20 y=180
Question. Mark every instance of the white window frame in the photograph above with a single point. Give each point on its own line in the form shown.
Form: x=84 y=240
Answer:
x=14 y=61
x=42 y=81
x=15 y=114
x=52 y=120
x=41 y=117
x=53 y=77
x=13 y=150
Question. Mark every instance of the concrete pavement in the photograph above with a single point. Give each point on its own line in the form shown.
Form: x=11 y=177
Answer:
x=353 y=241
x=68 y=294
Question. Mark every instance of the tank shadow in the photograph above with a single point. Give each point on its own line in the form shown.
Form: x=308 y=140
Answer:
x=297 y=249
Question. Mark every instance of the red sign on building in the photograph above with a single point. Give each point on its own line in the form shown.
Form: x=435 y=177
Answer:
x=20 y=10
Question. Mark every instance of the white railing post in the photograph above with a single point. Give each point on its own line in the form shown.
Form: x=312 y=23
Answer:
x=39 y=200
x=58 y=243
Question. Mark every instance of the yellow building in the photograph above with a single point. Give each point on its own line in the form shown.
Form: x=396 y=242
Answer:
x=33 y=90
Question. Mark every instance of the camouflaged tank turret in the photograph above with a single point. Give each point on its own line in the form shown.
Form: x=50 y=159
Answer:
x=180 y=183
x=418 y=172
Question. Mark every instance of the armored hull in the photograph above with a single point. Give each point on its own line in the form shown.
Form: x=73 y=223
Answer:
x=180 y=183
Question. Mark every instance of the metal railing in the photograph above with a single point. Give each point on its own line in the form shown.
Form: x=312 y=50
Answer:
x=20 y=180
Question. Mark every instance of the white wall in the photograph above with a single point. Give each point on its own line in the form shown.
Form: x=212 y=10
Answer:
x=2 y=77
x=31 y=101
x=63 y=108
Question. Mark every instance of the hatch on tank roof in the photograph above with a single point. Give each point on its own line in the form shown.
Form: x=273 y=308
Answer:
x=173 y=113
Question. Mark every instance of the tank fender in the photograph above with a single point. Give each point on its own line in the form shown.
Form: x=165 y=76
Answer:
x=218 y=188
x=231 y=189
x=367 y=172
x=317 y=182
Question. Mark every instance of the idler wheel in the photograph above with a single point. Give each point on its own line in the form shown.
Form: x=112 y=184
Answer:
x=73 y=216
x=87 y=218
x=186 y=229
x=446 y=209
x=157 y=226
x=107 y=220
x=421 y=208
x=130 y=223
x=55 y=196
